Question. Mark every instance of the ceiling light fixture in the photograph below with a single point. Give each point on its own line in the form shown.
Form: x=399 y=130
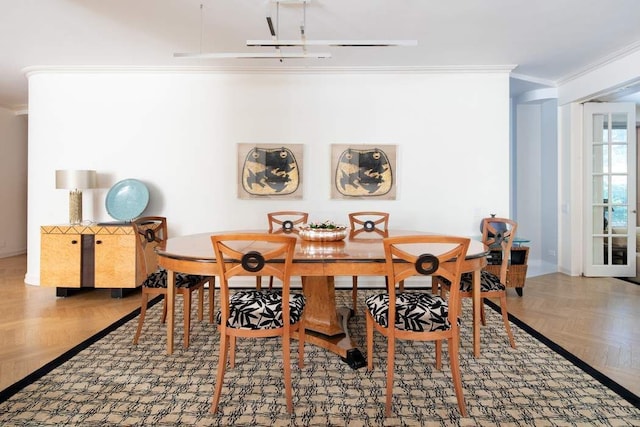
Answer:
x=251 y=55
x=304 y=42
x=334 y=43
x=278 y=44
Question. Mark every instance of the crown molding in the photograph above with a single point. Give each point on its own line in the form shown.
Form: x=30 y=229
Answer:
x=109 y=69
x=602 y=62
x=532 y=79
x=537 y=95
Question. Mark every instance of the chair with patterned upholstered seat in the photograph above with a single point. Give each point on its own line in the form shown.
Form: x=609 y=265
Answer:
x=419 y=316
x=151 y=232
x=498 y=235
x=257 y=313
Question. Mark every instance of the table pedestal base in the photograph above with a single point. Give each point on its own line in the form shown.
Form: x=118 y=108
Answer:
x=326 y=324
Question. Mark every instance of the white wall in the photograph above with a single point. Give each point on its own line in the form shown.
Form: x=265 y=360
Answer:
x=527 y=173
x=549 y=186
x=570 y=187
x=13 y=183
x=177 y=132
x=536 y=183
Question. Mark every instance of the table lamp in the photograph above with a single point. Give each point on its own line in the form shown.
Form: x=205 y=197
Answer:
x=76 y=181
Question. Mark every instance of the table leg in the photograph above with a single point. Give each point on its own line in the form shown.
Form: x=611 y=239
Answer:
x=171 y=302
x=476 y=312
x=323 y=321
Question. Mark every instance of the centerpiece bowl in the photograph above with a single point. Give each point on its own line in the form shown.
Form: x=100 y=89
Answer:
x=316 y=233
x=333 y=249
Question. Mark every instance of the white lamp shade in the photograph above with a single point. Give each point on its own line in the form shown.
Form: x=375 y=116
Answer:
x=75 y=179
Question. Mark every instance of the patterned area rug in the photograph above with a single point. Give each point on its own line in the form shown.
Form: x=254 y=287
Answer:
x=112 y=382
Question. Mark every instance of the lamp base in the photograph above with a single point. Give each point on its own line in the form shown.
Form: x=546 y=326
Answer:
x=75 y=207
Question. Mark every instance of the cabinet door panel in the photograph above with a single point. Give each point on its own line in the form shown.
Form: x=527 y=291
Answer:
x=115 y=261
x=60 y=260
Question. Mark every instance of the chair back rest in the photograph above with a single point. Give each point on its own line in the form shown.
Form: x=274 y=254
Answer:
x=498 y=235
x=285 y=221
x=426 y=255
x=253 y=254
x=151 y=231
x=369 y=222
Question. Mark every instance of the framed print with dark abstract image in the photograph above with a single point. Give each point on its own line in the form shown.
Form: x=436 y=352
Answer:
x=269 y=171
x=363 y=171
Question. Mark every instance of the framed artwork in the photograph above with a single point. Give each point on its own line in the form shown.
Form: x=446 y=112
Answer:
x=269 y=171
x=363 y=171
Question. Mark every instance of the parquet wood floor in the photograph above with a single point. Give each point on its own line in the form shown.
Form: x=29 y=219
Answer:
x=598 y=320
x=595 y=319
x=36 y=326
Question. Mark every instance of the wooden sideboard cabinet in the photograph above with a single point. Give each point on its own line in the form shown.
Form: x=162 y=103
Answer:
x=89 y=256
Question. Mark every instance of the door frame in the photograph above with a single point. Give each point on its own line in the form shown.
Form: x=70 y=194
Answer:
x=600 y=258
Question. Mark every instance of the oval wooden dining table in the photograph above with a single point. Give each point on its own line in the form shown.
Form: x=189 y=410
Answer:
x=317 y=263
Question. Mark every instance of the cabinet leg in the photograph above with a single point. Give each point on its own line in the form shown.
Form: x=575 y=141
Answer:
x=519 y=291
x=63 y=292
x=122 y=292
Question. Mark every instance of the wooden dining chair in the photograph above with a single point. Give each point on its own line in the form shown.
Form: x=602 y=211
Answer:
x=282 y=222
x=151 y=232
x=497 y=235
x=367 y=224
x=419 y=316
x=257 y=313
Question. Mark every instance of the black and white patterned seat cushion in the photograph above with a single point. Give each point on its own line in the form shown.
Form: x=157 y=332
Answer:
x=158 y=279
x=418 y=312
x=488 y=282
x=261 y=310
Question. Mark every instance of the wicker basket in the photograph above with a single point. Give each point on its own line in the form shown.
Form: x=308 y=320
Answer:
x=516 y=273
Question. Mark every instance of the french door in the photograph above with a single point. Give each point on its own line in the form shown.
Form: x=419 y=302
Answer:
x=610 y=189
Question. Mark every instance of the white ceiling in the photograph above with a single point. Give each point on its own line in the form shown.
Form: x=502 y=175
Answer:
x=546 y=40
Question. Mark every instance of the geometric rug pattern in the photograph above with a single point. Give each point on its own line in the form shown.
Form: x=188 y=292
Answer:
x=114 y=383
